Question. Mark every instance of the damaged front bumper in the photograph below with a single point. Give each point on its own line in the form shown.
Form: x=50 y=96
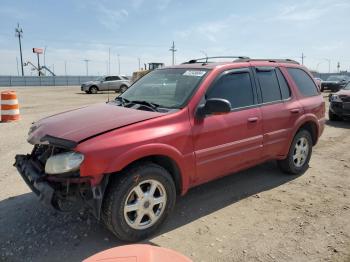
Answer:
x=31 y=174
x=62 y=192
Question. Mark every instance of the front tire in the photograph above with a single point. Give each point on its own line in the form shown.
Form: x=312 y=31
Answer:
x=137 y=203
x=93 y=90
x=297 y=161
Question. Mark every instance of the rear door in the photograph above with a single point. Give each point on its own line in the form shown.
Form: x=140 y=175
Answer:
x=228 y=142
x=280 y=110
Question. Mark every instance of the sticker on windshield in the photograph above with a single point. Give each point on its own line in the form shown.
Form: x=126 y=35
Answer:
x=194 y=73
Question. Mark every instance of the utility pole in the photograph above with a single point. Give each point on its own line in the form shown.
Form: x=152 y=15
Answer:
x=338 y=67
x=109 y=61
x=87 y=66
x=173 y=50
x=19 y=33
x=45 y=55
x=139 y=59
x=39 y=73
x=65 y=68
x=302 y=58
x=17 y=65
x=118 y=56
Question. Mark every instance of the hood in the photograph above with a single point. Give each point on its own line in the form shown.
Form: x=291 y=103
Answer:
x=343 y=92
x=94 y=82
x=79 y=124
x=330 y=82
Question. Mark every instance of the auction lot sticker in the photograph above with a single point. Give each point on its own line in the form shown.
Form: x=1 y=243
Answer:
x=194 y=73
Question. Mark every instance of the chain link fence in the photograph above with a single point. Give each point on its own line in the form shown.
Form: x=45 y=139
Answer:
x=6 y=81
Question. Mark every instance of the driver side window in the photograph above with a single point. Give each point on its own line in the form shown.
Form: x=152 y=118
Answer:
x=236 y=87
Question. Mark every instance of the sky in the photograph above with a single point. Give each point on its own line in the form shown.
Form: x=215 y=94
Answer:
x=75 y=30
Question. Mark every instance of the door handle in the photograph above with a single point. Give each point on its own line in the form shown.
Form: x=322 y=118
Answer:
x=252 y=119
x=295 y=110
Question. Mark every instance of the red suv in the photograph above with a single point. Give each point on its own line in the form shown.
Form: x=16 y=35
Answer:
x=175 y=128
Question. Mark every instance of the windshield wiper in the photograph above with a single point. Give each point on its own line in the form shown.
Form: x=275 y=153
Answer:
x=122 y=100
x=146 y=103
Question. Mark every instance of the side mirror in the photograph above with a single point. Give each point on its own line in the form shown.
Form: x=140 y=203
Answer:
x=214 y=106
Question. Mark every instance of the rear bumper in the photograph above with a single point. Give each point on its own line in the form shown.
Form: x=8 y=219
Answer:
x=34 y=179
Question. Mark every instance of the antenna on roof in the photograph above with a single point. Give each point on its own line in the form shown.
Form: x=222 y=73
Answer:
x=206 y=56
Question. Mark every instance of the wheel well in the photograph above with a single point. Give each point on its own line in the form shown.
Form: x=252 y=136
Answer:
x=165 y=162
x=312 y=128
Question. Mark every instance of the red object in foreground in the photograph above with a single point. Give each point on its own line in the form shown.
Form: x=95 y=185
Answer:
x=138 y=253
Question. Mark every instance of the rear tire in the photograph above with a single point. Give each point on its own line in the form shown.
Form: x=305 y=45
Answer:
x=297 y=161
x=93 y=90
x=130 y=210
x=123 y=88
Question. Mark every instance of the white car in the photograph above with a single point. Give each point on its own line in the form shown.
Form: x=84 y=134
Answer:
x=107 y=83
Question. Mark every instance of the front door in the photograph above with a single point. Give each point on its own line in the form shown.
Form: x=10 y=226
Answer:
x=232 y=141
x=105 y=84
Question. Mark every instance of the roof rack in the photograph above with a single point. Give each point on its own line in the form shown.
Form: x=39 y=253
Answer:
x=290 y=61
x=199 y=60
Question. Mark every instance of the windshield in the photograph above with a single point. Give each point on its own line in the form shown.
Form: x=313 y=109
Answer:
x=101 y=78
x=169 y=88
x=347 y=87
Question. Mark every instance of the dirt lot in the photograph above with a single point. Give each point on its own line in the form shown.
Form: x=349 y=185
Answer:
x=256 y=215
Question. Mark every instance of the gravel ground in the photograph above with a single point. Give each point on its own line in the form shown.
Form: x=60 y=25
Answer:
x=256 y=215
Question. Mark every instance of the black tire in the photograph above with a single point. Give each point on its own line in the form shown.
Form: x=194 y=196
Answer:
x=122 y=89
x=93 y=90
x=333 y=117
x=288 y=165
x=322 y=88
x=118 y=192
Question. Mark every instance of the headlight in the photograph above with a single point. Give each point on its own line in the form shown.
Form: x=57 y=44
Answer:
x=63 y=163
x=335 y=98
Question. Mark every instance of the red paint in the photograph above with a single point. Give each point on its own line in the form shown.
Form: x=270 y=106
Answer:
x=202 y=149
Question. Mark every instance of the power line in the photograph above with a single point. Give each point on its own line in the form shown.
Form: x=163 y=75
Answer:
x=19 y=33
x=173 y=50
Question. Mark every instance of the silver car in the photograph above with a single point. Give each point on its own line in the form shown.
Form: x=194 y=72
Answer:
x=105 y=83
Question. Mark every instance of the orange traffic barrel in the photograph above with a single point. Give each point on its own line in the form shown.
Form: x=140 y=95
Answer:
x=9 y=106
x=139 y=253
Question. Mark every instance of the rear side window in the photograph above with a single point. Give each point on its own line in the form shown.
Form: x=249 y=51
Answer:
x=285 y=91
x=269 y=85
x=303 y=81
x=235 y=87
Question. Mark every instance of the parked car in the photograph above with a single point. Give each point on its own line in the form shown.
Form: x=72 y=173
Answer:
x=175 y=128
x=340 y=104
x=335 y=82
x=107 y=83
